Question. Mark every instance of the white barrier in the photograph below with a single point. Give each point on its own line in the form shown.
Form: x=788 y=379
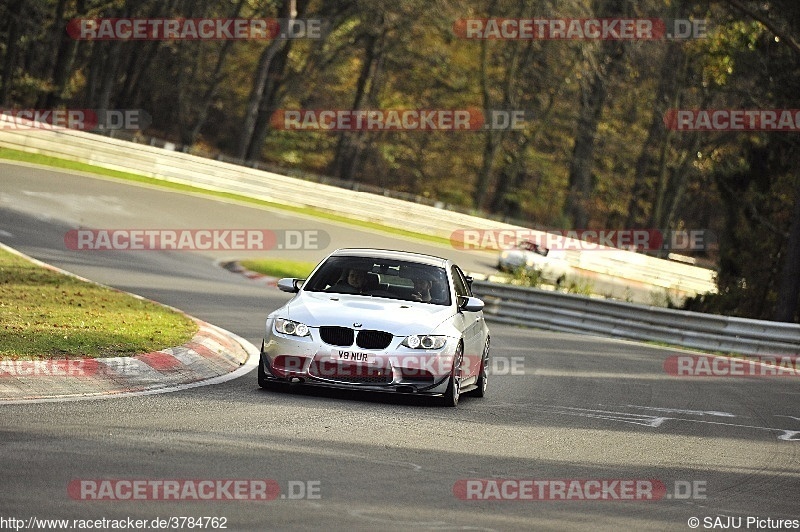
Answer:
x=576 y=314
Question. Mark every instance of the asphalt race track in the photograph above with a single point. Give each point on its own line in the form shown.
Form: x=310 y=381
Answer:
x=560 y=408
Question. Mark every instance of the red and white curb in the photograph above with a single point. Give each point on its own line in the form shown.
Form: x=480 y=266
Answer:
x=212 y=356
x=236 y=267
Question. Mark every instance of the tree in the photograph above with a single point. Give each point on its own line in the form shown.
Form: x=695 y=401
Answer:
x=602 y=63
x=780 y=18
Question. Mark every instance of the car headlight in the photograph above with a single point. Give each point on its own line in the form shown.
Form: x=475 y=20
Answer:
x=424 y=341
x=292 y=328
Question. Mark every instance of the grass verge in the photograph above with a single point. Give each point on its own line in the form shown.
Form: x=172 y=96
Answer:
x=46 y=314
x=279 y=267
x=55 y=162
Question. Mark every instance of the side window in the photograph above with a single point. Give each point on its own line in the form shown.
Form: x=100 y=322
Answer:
x=460 y=283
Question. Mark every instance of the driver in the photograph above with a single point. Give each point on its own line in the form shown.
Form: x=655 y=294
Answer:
x=426 y=285
x=422 y=289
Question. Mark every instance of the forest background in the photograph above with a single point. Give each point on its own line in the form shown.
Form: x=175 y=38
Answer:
x=595 y=152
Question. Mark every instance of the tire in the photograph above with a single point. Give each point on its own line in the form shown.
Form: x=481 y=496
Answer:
x=483 y=378
x=453 y=392
x=262 y=375
x=263 y=382
x=266 y=383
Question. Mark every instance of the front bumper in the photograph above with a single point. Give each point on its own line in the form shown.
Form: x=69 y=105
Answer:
x=396 y=369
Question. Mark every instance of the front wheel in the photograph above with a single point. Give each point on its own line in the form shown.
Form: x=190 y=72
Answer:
x=263 y=381
x=262 y=375
x=453 y=392
x=483 y=377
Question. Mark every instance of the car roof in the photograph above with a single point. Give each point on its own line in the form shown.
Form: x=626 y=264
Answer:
x=409 y=256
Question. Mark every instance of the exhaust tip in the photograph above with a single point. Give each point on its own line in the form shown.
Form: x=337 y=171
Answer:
x=405 y=389
x=296 y=380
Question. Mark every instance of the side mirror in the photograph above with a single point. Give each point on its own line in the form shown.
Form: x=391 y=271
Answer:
x=290 y=284
x=470 y=304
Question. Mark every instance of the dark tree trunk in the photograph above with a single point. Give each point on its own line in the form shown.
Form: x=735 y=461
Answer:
x=133 y=78
x=95 y=67
x=56 y=49
x=513 y=175
x=214 y=81
x=491 y=140
x=789 y=285
x=642 y=196
x=594 y=92
x=142 y=54
x=350 y=145
x=109 y=76
x=288 y=10
x=251 y=113
x=267 y=104
x=16 y=11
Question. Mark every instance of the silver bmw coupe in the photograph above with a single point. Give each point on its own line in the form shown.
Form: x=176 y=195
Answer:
x=378 y=320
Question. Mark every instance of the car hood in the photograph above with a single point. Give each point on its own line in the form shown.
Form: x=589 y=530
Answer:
x=401 y=318
x=514 y=254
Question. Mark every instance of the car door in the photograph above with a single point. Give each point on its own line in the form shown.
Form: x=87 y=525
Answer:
x=472 y=325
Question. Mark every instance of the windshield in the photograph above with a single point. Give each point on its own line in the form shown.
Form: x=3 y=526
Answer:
x=527 y=245
x=393 y=279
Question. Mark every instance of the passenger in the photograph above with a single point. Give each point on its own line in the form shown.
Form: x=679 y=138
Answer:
x=355 y=282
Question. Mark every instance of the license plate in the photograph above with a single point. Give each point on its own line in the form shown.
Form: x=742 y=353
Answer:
x=343 y=355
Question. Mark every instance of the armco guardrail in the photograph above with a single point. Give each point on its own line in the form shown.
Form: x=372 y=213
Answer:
x=577 y=314
x=179 y=167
